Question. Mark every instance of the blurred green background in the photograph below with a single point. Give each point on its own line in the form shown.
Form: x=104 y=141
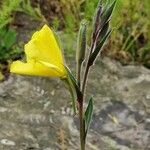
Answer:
x=129 y=42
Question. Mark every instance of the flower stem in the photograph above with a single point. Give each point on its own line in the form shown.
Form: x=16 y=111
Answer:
x=81 y=102
x=79 y=73
x=82 y=126
x=85 y=78
x=87 y=68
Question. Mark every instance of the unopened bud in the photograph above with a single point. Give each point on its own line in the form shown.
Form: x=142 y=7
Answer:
x=97 y=20
x=81 y=43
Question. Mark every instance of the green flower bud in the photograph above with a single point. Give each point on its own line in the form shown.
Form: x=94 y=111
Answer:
x=81 y=43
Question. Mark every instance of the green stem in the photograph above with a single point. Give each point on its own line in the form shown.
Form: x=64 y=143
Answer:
x=73 y=99
x=79 y=73
x=82 y=126
x=81 y=101
x=87 y=68
x=85 y=78
x=71 y=93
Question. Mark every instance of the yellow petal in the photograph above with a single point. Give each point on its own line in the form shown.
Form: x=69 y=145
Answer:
x=61 y=70
x=44 y=47
x=44 y=58
x=35 y=68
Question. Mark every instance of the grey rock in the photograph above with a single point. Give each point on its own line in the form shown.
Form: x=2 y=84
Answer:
x=35 y=112
x=7 y=142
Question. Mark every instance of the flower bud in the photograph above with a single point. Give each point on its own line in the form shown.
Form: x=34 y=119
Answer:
x=97 y=20
x=81 y=43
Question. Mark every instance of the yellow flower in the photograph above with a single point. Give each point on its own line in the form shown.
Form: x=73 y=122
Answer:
x=43 y=55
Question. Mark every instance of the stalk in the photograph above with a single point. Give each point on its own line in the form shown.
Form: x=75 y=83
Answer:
x=87 y=68
x=82 y=127
x=79 y=73
x=100 y=34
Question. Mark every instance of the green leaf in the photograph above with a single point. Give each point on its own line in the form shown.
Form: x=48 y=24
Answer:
x=10 y=38
x=88 y=115
x=97 y=20
x=103 y=31
x=108 y=9
x=145 y=54
x=74 y=82
x=98 y=48
x=70 y=74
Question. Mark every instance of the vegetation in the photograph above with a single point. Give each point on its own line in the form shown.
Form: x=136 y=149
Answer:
x=130 y=43
x=40 y=62
x=7 y=8
x=9 y=46
x=7 y=50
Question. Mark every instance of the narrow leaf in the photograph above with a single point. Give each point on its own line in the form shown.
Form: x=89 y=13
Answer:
x=108 y=12
x=74 y=82
x=88 y=115
x=96 y=21
x=71 y=75
x=103 y=31
x=98 y=48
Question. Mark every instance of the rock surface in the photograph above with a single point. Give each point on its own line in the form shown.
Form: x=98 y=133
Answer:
x=35 y=112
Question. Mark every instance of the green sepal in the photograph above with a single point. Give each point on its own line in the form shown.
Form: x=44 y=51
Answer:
x=88 y=115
